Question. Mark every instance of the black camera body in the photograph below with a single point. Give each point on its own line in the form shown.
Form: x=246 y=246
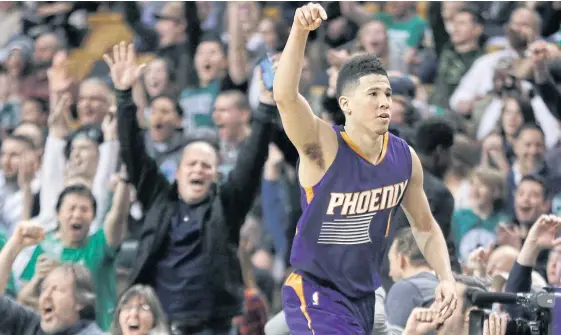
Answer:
x=538 y=306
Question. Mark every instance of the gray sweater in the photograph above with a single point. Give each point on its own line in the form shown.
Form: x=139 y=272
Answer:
x=20 y=320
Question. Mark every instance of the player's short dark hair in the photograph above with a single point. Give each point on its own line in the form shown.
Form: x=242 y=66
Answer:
x=406 y=245
x=356 y=68
x=433 y=133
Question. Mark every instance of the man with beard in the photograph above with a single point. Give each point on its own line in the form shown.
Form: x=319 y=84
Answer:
x=522 y=29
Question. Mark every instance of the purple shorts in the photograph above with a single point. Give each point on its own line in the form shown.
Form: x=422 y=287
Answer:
x=311 y=308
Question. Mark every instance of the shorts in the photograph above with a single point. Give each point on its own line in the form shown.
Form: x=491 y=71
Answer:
x=311 y=308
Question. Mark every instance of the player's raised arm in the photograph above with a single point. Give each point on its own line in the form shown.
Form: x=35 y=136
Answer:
x=302 y=127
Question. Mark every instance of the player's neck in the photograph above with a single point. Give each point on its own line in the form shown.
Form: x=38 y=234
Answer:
x=371 y=145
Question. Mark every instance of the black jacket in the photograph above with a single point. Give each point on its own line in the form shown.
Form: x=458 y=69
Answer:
x=441 y=204
x=224 y=213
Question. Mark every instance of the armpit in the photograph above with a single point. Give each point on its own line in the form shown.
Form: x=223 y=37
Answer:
x=313 y=152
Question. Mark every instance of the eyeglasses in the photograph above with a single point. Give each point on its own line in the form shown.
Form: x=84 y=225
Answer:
x=141 y=307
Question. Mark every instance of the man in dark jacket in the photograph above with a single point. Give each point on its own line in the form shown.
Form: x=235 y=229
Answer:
x=432 y=141
x=187 y=249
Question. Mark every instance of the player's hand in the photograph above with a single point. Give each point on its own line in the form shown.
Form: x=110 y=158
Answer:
x=309 y=17
x=496 y=324
x=28 y=234
x=124 y=70
x=422 y=321
x=445 y=299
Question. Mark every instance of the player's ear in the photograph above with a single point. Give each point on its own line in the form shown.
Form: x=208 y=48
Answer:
x=344 y=104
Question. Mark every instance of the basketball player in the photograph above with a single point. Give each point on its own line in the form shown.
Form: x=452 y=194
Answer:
x=352 y=178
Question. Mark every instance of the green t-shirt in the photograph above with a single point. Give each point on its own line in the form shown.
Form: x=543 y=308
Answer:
x=470 y=231
x=401 y=36
x=11 y=287
x=97 y=257
x=198 y=104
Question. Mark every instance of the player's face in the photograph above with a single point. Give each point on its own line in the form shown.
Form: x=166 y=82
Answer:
x=368 y=105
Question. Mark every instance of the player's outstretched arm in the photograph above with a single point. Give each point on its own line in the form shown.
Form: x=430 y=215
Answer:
x=302 y=127
x=429 y=237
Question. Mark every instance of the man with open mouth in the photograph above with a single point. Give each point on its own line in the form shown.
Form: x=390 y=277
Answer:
x=71 y=242
x=164 y=138
x=66 y=302
x=191 y=229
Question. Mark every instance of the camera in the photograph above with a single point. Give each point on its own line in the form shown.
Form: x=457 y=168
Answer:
x=538 y=307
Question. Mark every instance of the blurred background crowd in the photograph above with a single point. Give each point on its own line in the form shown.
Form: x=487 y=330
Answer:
x=475 y=92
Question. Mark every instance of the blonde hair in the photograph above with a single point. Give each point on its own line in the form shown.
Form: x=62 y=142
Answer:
x=147 y=293
x=495 y=180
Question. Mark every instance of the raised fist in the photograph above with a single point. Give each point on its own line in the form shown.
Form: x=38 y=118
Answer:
x=28 y=234
x=309 y=17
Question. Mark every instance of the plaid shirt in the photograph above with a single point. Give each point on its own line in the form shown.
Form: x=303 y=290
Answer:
x=254 y=318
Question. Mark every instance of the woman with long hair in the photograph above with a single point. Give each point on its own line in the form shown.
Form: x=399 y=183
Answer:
x=139 y=312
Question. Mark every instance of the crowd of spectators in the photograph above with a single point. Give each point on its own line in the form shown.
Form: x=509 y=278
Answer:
x=157 y=193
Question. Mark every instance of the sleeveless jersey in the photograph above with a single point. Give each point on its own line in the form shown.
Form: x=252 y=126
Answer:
x=340 y=237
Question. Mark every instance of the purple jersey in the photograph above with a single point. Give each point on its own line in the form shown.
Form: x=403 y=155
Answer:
x=340 y=237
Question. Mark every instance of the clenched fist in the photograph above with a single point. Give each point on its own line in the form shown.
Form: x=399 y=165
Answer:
x=28 y=234
x=309 y=17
